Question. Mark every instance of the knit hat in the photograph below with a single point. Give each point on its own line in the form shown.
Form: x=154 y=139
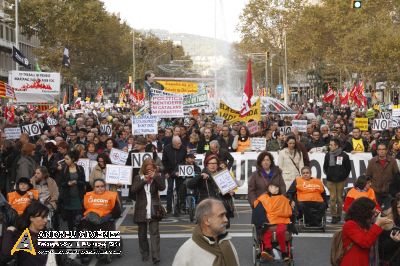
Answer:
x=24 y=180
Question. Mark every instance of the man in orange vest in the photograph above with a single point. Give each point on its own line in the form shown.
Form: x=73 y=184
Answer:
x=310 y=196
x=23 y=195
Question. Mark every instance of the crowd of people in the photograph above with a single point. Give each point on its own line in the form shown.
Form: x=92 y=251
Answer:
x=40 y=174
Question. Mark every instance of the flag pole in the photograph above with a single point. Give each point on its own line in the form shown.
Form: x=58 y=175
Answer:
x=16 y=30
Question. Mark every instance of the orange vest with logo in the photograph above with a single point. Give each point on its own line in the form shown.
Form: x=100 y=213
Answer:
x=102 y=204
x=243 y=145
x=355 y=194
x=309 y=190
x=277 y=208
x=18 y=202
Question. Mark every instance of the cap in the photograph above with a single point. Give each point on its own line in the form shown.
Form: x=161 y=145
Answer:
x=141 y=140
x=191 y=155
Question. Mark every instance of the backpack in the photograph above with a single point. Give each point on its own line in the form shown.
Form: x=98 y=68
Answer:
x=337 y=250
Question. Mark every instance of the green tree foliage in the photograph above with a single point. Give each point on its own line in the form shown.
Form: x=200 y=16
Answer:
x=100 y=44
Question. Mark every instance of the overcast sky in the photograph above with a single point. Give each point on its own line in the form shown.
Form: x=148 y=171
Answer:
x=181 y=16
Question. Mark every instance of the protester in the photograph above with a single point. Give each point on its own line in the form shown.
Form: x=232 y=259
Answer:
x=290 y=161
x=241 y=143
x=46 y=186
x=223 y=155
x=146 y=186
x=362 y=188
x=210 y=244
x=23 y=195
x=26 y=164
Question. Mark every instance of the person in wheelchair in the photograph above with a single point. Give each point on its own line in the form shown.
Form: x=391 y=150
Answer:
x=273 y=208
x=362 y=188
x=23 y=195
x=310 y=196
x=101 y=207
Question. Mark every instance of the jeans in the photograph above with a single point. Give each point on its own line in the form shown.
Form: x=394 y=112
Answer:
x=336 y=197
x=154 y=233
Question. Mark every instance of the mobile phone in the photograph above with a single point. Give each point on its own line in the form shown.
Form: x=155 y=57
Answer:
x=395 y=229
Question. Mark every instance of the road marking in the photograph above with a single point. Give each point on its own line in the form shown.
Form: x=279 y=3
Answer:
x=124 y=214
x=249 y=235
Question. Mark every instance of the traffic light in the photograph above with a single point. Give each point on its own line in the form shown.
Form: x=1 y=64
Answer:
x=356 y=4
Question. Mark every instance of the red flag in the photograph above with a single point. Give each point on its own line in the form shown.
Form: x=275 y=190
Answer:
x=344 y=98
x=329 y=96
x=9 y=114
x=61 y=109
x=247 y=93
x=353 y=90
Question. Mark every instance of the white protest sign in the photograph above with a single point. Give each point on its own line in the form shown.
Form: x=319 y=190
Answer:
x=385 y=115
x=396 y=112
x=92 y=165
x=51 y=121
x=12 y=132
x=380 y=124
x=285 y=130
x=219 y=120
x=224 y=181
x=138 y=158
x=144 y=125
x=252 y=127
x=301 y=125
x=395 y=122
x=32 y=129
x=106 y=128
x=167 y=106
x=118 y=174
x=85 y=163
x=118 y=156
x=258 y=143
x=186 y=170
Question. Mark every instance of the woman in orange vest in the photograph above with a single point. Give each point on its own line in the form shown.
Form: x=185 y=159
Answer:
x=309 y=193
x=23 y=195
x=278 y=212
x=100 y=203
x=242 y=140
x=362 y=188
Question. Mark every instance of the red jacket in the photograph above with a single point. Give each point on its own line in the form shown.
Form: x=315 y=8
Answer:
x=362 y=239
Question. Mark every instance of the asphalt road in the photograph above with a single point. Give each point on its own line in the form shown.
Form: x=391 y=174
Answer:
x=310 y=247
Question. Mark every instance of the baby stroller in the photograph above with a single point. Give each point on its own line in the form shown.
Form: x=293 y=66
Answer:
x=258 y=230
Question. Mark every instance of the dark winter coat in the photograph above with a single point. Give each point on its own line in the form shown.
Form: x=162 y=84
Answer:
x=337 y=173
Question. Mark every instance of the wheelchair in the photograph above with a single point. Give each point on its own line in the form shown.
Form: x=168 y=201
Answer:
x=111 y=250
x=190 y=200
x=304 y=222
x=258 y=245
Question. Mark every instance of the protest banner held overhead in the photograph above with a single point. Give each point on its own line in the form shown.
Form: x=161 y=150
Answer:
x=143 y=125
x=232 y=115
x=35 y=87
x=167 y=106
x=179 y=87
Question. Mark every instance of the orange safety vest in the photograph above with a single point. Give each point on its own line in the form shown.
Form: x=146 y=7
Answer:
x=243 y=145
x=277 y=208
x=309 y=190
x=18 y=202
x=355 y=194
x=102 y=204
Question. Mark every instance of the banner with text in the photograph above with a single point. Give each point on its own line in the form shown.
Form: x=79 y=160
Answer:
x=143 y=125
x=167 y=106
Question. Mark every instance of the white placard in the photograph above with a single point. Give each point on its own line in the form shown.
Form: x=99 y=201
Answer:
x=85 y=163
x=118 y=156
x=186 y=170
x=51 y=121
x=219 y=120
x=395 y=112
x=92 y=165
x=258 y=143
x=144 y=125
x=386 y=115
x=301 y=125
x=138 y=158
x=12 y=132
x=35 y=87
x=167 y=106
x=380 y=124
x=253 y=127
x=224 y=181
x=285 y=130
x=118 y=174
x=106 y=129
x=32 y=129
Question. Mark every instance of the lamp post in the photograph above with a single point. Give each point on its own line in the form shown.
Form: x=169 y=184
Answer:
x=16 y=30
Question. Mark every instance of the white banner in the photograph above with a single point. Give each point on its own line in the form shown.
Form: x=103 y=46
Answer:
x=252 y=127
x=186 y=170
x=167 y=106
x=301 y=125
x=106 y=128
x=12 y=132
x=144 y=125
x=385 y=115
x=118 y=174
x=138 y=158
x=32 y=129
x=285 y=130
x=224 y=181
x=258 y=144
x=35 y=87
x=395 y=112
x=380 y=124
x=118 y=156
x=85 y=163
x=51 y=121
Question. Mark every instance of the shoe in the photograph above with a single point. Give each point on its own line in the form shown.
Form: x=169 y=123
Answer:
x=266 y=255
x=285 y=257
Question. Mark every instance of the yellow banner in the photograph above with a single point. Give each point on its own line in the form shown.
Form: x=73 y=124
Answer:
x=232 y=115
x=361 y=123
x=179 y=87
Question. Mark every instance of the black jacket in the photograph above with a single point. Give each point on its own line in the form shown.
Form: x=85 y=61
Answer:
x=64 y=198
x=224 y=156
x=389 y=250
x=172 y=157
x=337 y=173
x=226 y=145
x=203 y=145
x=348 y=146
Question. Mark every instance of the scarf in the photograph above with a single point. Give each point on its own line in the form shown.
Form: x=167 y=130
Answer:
x=266 y=175
x=222 y=249
x=332 y=155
